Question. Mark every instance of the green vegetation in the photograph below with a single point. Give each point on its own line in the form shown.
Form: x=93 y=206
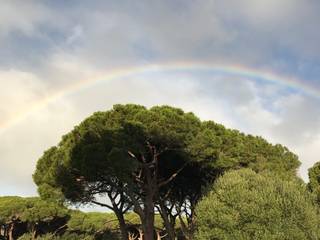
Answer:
x=314 y=181
x=151 y=167
x=30 y=214
x=245 y=205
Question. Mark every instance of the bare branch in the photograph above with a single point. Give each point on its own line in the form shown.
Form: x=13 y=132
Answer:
x=102 y=205
x=132 y=155
x=127 y=208
x=172 y=176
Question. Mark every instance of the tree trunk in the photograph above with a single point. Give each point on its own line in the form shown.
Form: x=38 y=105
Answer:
x=3 y=231
x=33 y=232
x=187 y=229
x=34 y=235
x=169 y=225
x=148 y=224
x=122 y=225
x=10 y=231
x=169 y=228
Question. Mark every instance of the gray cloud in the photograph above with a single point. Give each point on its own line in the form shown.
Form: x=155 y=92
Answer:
x=275 y=35
x=51 y=45
x=22 y=16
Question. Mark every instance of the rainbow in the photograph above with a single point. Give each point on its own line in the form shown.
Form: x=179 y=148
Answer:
x=233 y=70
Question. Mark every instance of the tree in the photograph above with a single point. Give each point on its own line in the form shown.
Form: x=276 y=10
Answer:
x=143 y=158
x=179 y=198
x=314 y=181
x=19 y=214
x=80 y=225
x=117 y=153
x=219 y=149
x=89 y=223
x=38 y=213
x=245 y=205
x=11 y=208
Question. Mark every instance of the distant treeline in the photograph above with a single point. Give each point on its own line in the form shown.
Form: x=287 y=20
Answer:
x=33 y=218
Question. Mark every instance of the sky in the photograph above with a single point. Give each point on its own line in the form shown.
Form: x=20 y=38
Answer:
x=249 y=65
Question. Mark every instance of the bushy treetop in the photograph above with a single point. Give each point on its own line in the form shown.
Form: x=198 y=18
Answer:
x=98 y=147
x=31 y=209
x=245 y=205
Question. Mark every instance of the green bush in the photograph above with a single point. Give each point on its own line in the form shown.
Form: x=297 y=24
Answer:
x=244 y=205
x=26 y=236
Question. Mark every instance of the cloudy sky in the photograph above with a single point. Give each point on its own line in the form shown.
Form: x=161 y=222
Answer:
x=60 y=61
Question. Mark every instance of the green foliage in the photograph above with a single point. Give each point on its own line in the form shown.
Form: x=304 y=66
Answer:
x=29 y=209
x=314 y=181
x=133 y=219
x=91 y=225
x=74 y=236
x=80 y=225
x=130 y=149
x=245 y=205
x=11 y=207
x=91 y=222
x=85 y=236
x=66 y=236
x=226 y=149
x=97 y=149
x=99 y=146
x=17 y=213
x=37 y=210
x=27 y=236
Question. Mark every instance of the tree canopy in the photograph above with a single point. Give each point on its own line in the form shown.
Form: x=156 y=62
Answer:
x=245 y=205
x=31 y=214
x=143 y=158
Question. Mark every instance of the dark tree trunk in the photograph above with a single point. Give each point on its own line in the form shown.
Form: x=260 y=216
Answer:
x=122 y=225
x=148 y=224
x=184 y=228
x=6 y=232
x=169 y=222
x=187 y=228
x=119 y=207
x=147 y=177
x=10 y=231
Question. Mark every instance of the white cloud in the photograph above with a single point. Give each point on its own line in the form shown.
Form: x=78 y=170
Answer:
x=19 y=90
x=309 y=153
x=300 y=119
x=23 y=143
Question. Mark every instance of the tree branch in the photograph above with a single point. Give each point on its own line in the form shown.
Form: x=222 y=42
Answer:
x=172 y=176
x=135 y=202
x=102 y=205
x=127 y=208
x=132 y=155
